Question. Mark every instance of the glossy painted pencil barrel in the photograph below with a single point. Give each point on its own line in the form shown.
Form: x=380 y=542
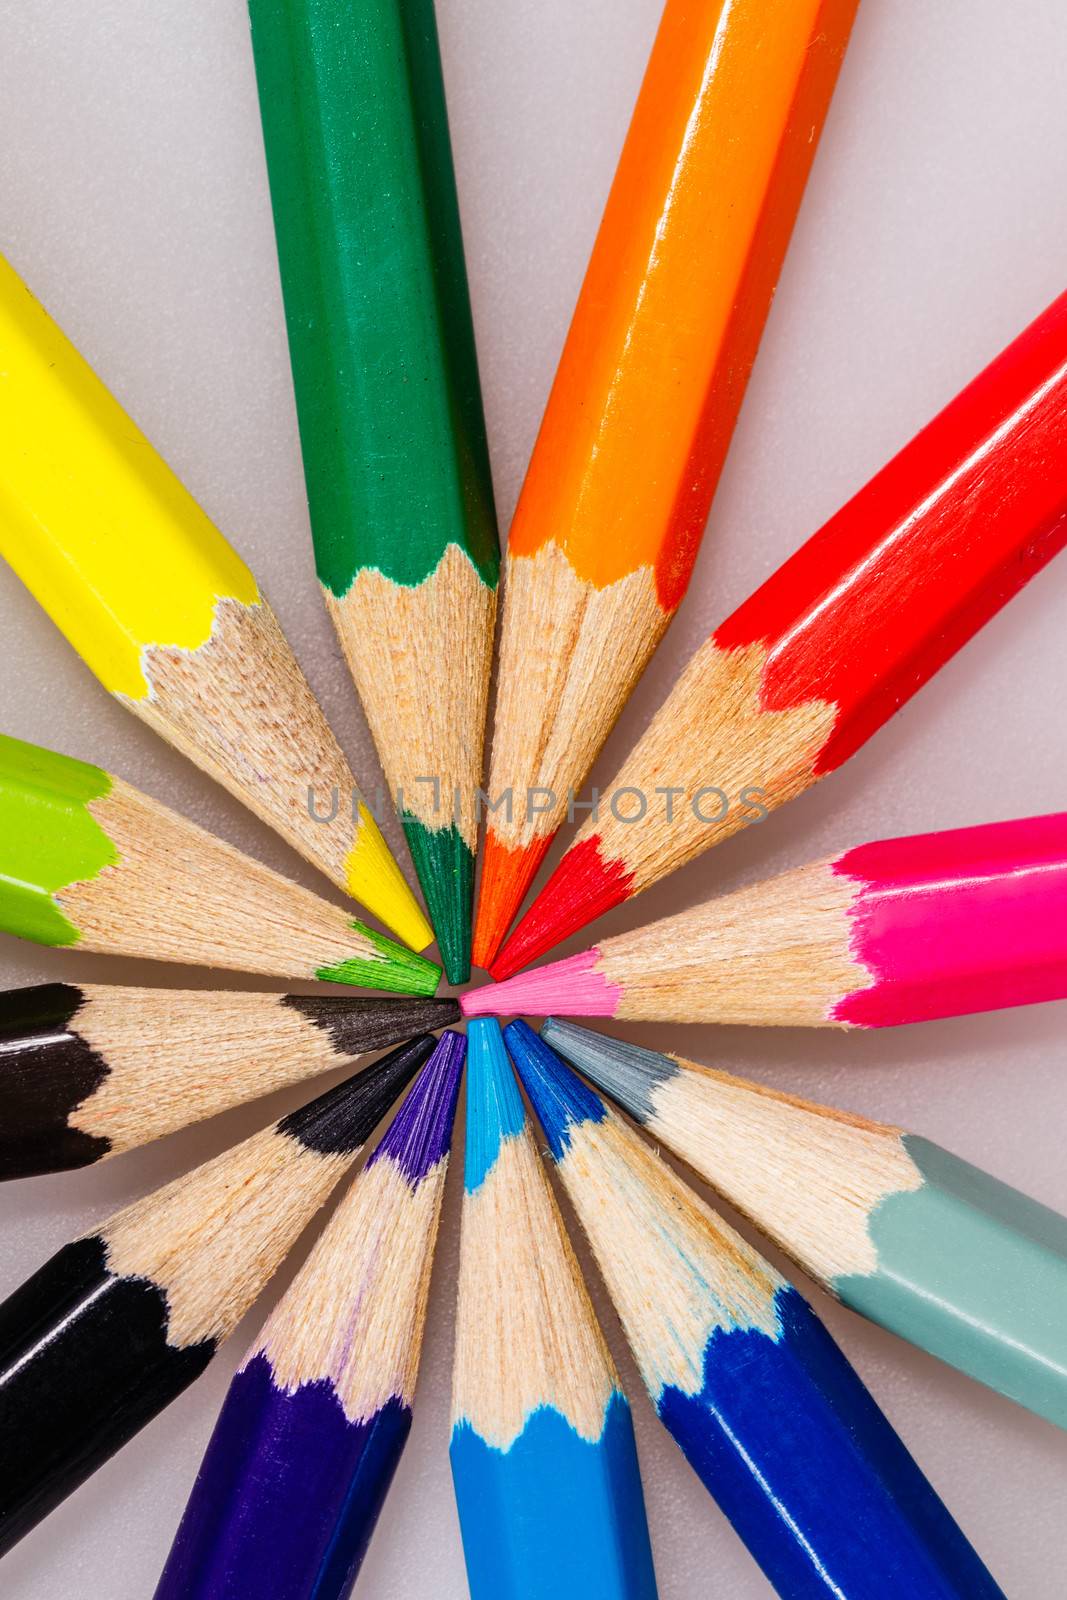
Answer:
x=765 y=1406
x=842 y=635
x=87 y=860
x=89 y=1070
x=644 y=402
x=896 y=931
x=898 y=1229
x=115 y=1325
x=387 y=392
x=315 y=1420
x=543 y=1456
x=164 y=611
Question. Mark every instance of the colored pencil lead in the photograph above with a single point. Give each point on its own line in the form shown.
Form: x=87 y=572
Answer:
x=897 y=931
x=835 y=641
x=119 y=1322
x=643 y=406
x=543 y=1454
x=90 y=1070
x=386 y=377
x=316 y=1419
x=87 y=860
x=765 y=1406
x=165 y=612
x=895 y=1227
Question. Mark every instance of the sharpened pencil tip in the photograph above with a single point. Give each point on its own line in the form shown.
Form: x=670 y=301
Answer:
x=574 y=986
x=507 y=874
x=445 y=865
x=341 y=1120
x=584 y=886
x=629 y=1074
x=494 y=1105
x=394 y=968
x=420 y=1134
x=560 y=1098
x=376 y=881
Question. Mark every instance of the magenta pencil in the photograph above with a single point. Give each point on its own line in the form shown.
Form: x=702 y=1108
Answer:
x=900 y=930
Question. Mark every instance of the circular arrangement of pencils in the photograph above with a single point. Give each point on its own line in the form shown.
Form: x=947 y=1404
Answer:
x=759 y=1397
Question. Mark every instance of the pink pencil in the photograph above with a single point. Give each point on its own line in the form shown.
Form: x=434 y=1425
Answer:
x=901 y=930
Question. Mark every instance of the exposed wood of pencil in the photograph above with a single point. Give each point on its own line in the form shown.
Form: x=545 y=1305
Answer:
x=87 y=1072
x=648 y=389
x=420 y=658
x=178 y=893
x=526 y=1333
x=818 y=658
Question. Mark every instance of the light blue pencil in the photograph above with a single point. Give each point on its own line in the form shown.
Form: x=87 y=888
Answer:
x=543 y=1455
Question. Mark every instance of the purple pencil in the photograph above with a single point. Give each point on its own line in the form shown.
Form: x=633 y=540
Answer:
x=316 y=1418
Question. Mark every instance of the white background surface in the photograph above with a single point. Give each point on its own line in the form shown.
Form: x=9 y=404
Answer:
x=133 y=199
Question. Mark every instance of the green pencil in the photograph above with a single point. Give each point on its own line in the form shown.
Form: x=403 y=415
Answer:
x=87 y=860
x=386 y=380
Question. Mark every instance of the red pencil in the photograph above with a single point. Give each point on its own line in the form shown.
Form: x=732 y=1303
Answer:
x=846 y=631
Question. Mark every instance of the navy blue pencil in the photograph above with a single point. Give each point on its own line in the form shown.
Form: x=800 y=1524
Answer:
x=768 y=1411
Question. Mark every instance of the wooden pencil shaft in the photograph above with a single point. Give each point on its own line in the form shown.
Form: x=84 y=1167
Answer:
x=543 y=1457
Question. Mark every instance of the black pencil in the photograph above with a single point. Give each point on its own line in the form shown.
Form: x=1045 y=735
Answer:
x=90 y=1070
x=120 y=1321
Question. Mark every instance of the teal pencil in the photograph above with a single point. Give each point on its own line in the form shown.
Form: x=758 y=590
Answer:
x=897 y=1228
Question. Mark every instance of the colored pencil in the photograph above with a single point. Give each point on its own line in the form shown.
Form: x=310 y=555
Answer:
x=644 y=402
x=164 y=611
x=90 y=1070
x=316 y=1419
x=87 y=860
x=900 y=930
x=841 y=636
x=386 y=377
x=120 y=1321
x=543 y=1455
x=897 y=1228
x=765 y=1406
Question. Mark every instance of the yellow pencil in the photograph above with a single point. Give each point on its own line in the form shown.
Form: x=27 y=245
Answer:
x=164 y=611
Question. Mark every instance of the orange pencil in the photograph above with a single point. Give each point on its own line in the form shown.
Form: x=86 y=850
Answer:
x=645 y=399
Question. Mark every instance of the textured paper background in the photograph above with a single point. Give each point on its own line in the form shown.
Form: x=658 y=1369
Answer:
x=133 y=199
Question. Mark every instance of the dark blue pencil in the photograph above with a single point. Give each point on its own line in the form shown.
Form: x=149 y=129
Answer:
x=767 y=1409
